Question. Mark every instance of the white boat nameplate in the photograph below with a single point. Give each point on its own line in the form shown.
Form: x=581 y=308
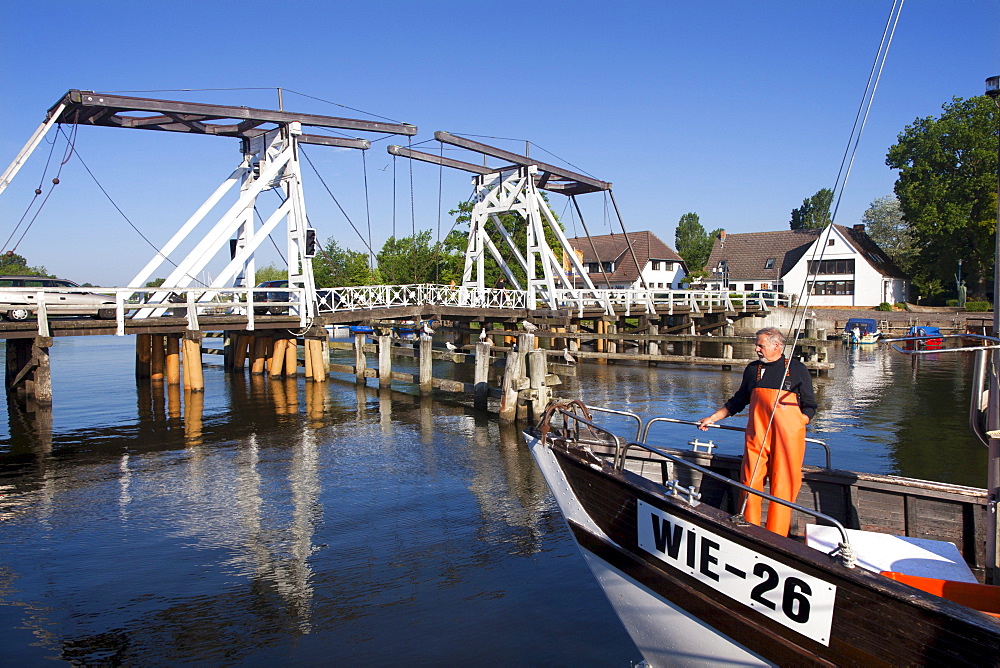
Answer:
x=790 y=597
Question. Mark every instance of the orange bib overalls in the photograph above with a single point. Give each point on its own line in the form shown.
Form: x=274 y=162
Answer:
x=780 y=454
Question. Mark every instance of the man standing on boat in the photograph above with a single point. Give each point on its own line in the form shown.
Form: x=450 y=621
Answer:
x=780 y=395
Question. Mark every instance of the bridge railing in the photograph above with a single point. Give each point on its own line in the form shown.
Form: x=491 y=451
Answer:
x=123 y=304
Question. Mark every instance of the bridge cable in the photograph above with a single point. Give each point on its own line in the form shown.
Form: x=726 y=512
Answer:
x=334 y=198
x=628 y=242
x=437 y=247
x=368 y=209
x=38 y=192
x=593 y=247
x=413 y=219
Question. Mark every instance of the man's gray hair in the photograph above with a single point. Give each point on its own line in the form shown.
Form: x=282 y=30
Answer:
x=773 y=334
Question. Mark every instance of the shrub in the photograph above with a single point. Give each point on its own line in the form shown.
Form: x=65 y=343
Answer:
x=884 y=306
x=951 y=302
x=977 y=306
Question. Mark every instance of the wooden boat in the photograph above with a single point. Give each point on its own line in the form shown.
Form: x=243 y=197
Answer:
x=898 y=582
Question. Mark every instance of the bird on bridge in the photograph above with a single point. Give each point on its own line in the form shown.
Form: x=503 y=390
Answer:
x=529 y=326
x=568 y=357
x=427 y=329
x=450 y=346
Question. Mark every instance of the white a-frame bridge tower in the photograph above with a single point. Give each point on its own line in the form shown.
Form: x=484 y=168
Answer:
x=270 y=146
x=516 y=188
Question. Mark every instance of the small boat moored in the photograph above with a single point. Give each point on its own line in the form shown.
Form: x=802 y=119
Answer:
x=863 y=331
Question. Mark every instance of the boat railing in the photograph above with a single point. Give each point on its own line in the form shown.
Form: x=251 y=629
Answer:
x=645 y=432
x=843 y=552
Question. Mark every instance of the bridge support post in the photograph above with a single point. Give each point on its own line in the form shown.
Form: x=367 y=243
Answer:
x=173 y=360
x=29 y=375
x=481 y=391
x=276 y=365
x=258 y=355
x=291 y=356
x=360 y=363
x=158 y=343
x=194 y=376
x=653 y=346
x=384 y=360
x=143 y=355
x=426 y=363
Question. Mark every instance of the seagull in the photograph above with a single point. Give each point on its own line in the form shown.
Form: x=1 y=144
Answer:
x=483 y=338
x=568 y=357
x=427 y=329
x=450 y=346
x=529 y=326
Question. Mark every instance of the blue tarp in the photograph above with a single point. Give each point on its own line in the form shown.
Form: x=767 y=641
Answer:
x=924 y=330
x=866 y=325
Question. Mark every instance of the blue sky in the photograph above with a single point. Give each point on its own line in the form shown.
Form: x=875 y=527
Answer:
x=734 y=110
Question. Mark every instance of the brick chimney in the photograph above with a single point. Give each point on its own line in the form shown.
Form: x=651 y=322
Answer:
x=860 y=227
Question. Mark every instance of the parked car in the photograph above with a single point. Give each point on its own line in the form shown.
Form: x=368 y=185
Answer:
x=19 y=298
x=271 y=296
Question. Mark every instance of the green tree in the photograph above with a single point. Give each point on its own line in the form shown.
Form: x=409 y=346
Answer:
x=13 y=264
x=885 y=224
x=814 y=214
x=270 y=272
x=415 y=259
x=336 y=267
x=947 y=190
x=692 y=242
x=155 y=283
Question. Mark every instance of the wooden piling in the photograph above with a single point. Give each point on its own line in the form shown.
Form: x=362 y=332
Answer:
x=157 y=359
x=173 y=361
x=481 y=391
x=384 y=360
x=513 y=377
x=426 y=379
x=291 y=356
x=258 y=357
x=537 y=370
x=194 y=374
x=143 y=355
x=360 y=363
x=243 y=342
x=276 y=364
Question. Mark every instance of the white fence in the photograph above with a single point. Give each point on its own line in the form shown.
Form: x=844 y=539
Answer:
x=130 y=303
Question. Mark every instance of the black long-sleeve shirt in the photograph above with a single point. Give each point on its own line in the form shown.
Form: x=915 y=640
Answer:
x=797 y=380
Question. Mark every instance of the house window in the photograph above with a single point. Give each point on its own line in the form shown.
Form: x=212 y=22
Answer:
x=829 y=242
x=765 y=286
x=833 y=287
x=669 y=266
x=831 y=266
x=769 y=263
x=607 y=267
x=732 y=287
x=656 y=265
x=748 y=287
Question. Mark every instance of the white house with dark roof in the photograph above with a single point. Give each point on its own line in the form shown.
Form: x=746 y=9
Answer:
x=845 y=267
x=613 y=261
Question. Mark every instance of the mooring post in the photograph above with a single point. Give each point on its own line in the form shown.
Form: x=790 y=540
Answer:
x=228 y=350
x=426 y=363
x=276 y=365
x=384 y=360
x=258 y=358
x=537 y=370
x=243 y=342
x=654 y=346
x=360 y=363
x=481 y=391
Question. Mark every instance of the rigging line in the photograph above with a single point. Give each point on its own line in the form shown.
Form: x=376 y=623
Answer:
x=274 y=243
x=628 y=242
x=580 y=169
x=335 y=201
x=821 y=243
x=394 y=197
x=368 y=208
x=861 y=105
x=189 y=90
x=593 y=247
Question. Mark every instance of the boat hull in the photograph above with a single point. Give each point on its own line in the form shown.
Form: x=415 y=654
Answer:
x=679 y=615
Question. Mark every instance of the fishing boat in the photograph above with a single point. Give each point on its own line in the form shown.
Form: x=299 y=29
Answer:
x=876 y=569
x=863 y=331
x=924 y=337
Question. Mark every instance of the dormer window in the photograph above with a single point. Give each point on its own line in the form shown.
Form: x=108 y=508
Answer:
x=769 y=263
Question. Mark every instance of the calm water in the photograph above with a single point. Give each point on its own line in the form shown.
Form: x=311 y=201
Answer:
x=275 y=521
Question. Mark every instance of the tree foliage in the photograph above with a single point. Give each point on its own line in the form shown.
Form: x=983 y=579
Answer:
x=270 y=272
x=336 y=267
x=814 y=214
x=947 y=190
x=885 y=224
x=416 y=259
x=692 y=242
x=13 y=264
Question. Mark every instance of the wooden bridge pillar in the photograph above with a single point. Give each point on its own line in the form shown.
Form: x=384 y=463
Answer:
x=157 y=361
x=29 y=375
x=481 y=390
x=194 y=376
x=173 y=360
x=426 y=363
x=258 y=355
x=143 y=355
x=384 y=361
